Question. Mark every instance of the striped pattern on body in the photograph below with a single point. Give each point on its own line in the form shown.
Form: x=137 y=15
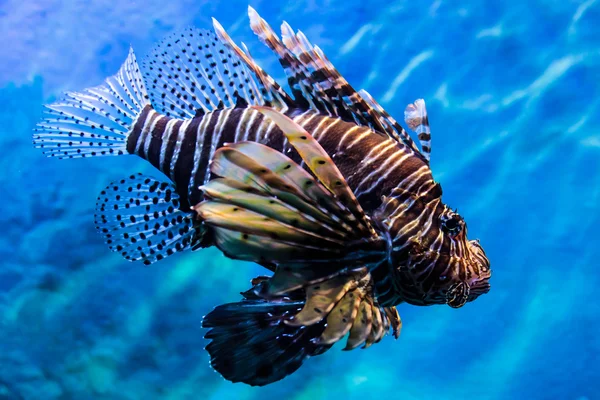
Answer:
x=182 y=149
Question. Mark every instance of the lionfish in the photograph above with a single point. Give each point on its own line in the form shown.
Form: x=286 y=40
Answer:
x=322 y=187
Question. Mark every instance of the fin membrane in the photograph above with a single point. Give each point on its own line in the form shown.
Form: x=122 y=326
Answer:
x=140 y=218
x=251 y=344
x=95 y=121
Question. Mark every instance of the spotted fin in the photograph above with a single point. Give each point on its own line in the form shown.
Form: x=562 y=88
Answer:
x=416 y=118
x=250 y=343
x=270 y=93
x=193 y=72
x=140 y=218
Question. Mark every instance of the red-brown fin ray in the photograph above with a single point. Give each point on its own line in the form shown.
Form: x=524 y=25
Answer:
x=346 y=303
x=341 y=318
x=287 y=279
x=306 y=186
x=361 y=328
x=321 y=299
x=255 y=214
x=243 y=220
x=306 y=93
x=377 y=330
x=395 y=321
x=392 y=127
x=330 y=84
x=251 y=247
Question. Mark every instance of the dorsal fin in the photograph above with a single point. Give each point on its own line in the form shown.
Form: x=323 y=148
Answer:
x=314 y=76
x=194 y=72
x=306 y=95
x=394 y=129
x=416 y=118
x=270 y=91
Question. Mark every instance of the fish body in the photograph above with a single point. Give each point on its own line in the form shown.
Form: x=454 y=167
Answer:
x=372 y=164
x=325 y=189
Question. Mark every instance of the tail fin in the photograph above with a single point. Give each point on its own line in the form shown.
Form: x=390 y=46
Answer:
x=95 y=121
x=250 y=343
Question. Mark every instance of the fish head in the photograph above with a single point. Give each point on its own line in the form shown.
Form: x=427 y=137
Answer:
x=430 y=256
x=461 y=269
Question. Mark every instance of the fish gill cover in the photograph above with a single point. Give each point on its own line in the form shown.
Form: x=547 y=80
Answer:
x=512 y=97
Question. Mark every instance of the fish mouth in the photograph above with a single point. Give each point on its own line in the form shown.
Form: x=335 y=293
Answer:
x=478 y=288
x=481 y=282
x=466 y=291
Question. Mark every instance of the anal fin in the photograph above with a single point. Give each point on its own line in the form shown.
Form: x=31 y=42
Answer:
x=140 y=218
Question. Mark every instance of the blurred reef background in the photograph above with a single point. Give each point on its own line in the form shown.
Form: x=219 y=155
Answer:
x=513 y=94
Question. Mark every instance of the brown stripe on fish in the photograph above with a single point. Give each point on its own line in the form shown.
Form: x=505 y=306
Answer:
x=165 y=143
x=244 y=125
x=173 y=134
x=167 y=134
x=146 y=132
x=254 y=129
x=154 y=140
x=138 y=126
x=198 y=172
x=178 y=137
x=200 y=165
x=217 y=138
x=184 y=163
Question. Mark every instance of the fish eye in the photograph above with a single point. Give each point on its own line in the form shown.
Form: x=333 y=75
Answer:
x=452 y=225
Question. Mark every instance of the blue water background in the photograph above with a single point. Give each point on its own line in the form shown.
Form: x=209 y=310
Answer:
x=513 y=94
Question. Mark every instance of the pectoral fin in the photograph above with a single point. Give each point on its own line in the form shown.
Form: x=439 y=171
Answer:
x=347 y=304
x=321 y=299
x=362 y=326
x=319 y=162
x=265 y=207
